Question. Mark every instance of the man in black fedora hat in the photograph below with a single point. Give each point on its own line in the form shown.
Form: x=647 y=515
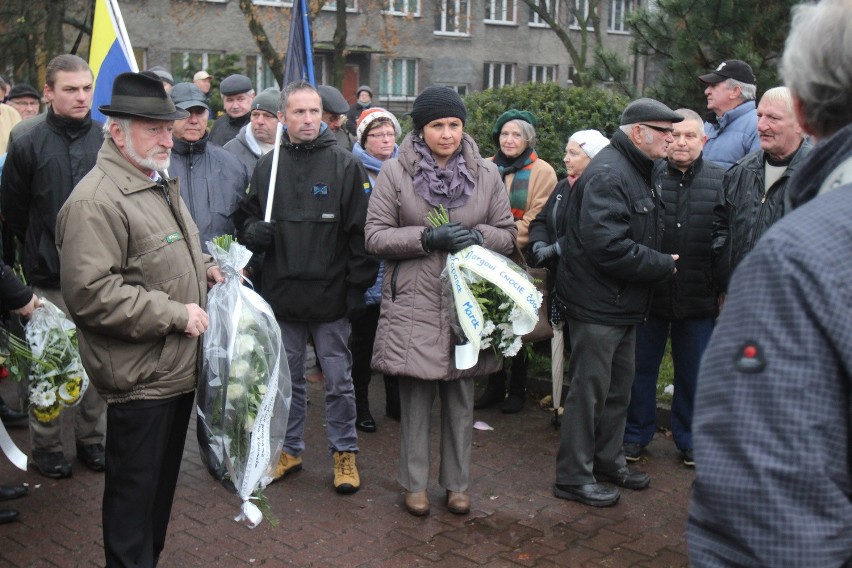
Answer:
x=613 y=232
x=135 y=282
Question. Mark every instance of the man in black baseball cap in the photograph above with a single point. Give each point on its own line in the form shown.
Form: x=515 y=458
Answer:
x=731 y=125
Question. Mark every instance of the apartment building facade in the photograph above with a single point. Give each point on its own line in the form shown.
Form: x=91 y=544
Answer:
x=398 y=47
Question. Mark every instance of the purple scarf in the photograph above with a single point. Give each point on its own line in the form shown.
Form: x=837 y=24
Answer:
x=450 y=186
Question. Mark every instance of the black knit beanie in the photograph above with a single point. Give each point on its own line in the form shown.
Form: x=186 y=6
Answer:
x=434 y=103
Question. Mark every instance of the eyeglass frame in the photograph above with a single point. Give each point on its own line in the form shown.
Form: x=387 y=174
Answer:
x=666 y=129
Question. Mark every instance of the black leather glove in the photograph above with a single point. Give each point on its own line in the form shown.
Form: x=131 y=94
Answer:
x=449 y=237
x=356 y=306
x=543 y=252
x=473 y=237
x=259 y=236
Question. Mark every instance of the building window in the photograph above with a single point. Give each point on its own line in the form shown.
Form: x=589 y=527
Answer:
x=331 y=5
x=260 y=74
x=498 y=75
x=398 y=79
x=580 y=14
x=452 y=17
x=403 y=7
x=572 y=74
x=618 y=11
x=542 y=73
x=460 y=89
x=186 y=63
x=278 y=3
x=552 y=8
x=500 y=11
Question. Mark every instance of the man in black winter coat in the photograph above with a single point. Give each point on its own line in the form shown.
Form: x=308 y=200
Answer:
x=315 y=268
x=48 y=155
x=684 y=306
x=606 y=273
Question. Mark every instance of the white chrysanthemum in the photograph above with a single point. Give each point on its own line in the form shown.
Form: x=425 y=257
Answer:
x=240 y=368
x=488 y=328
x=513 y=349
x=44 y=398
x=236 y=391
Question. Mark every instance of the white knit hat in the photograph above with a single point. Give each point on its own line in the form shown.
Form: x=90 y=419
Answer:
x=371 y=114
x=591 y=141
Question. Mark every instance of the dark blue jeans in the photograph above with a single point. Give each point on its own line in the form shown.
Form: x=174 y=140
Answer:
x=689 y=339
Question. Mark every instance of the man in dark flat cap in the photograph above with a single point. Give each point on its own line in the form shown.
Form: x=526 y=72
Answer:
x=135 y=282
x=334 y=109
x=24 y=99
x=613 y=233
x=237 y=96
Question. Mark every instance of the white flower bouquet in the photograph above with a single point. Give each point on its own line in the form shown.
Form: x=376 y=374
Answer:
x=495 y=300
x=244 y=395
x=50 y=358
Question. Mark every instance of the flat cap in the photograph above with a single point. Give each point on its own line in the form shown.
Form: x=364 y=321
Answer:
x=187 y=95
x=235 y=84
x=332 y=100
x=163 y=74
x=267 y=101
x=647 y=110
x=22 y=90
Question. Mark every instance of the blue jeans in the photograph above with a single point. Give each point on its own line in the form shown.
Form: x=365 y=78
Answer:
x=689 y=339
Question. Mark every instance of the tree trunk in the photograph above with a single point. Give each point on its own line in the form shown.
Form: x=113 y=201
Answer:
x=272 y=58
x=339 y=62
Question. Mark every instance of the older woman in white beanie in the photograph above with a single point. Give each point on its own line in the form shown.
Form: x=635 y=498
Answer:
x=546 y=230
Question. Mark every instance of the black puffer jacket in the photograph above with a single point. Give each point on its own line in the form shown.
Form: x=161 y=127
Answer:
x=213 y=182
x=688 y=202
x=319 y=211
x=226 y=128
x=48 y=156
x=613 y=232
x=743 y=214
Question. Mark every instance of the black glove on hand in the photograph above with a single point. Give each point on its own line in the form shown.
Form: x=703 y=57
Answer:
x=356 y=306
x=473 y=237
x=259 y=236
x=446 y=237
x=543 y=252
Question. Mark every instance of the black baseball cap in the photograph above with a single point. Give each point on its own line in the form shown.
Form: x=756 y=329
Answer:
x=730 y=69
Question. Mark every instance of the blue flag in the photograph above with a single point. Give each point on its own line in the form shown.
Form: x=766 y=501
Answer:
x=299 y=64
x=110 y=53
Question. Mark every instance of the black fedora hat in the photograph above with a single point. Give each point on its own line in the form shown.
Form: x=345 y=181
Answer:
x=140 y=95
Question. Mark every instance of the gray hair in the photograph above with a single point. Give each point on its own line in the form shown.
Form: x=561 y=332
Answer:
x=527 y=131
x=646 y=134
x=122 y=122
x=292 y=88
x=748 y=92
x=780 y=95
x=689 y=114
x=817 y=64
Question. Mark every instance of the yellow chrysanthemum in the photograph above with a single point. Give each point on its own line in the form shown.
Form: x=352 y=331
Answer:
x=47 y=414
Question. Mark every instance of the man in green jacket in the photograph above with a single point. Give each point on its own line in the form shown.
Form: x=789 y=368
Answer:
x=135 y=282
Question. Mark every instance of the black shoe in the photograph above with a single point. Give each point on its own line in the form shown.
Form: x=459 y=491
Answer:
x=364 y=421
x=593 y=494
x=495 y=392
x=688 y=458
x=93 y=455
x=8 y=492
x=7 y=515
x=627 y=478
x=513 y=404
x=10 y=416
x=632 y=451
x=52 y=464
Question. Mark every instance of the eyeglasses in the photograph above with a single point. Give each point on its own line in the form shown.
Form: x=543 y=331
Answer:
x=666 y=129
x=380 y=136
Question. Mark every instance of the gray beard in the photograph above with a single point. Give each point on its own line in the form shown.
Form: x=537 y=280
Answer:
x=145 y=161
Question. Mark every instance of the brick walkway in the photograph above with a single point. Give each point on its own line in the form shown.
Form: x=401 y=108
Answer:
x=515 y=520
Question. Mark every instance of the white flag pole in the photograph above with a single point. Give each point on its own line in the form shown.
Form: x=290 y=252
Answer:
x=270 y=192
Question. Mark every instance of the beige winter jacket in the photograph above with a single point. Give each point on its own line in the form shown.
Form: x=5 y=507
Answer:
x=130 y=262
x=414 y=337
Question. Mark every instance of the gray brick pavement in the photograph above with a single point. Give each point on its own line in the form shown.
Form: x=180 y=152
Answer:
x=515 y=520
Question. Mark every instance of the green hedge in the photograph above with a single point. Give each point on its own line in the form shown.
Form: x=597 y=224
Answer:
x=559 y=112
